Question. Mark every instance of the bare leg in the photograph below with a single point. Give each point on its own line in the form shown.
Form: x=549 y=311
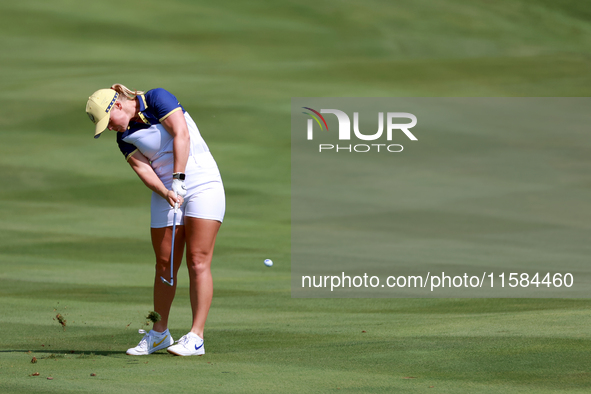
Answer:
x=200 y=236
x=164 y=294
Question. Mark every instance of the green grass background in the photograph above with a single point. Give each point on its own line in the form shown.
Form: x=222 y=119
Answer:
x=74 y=217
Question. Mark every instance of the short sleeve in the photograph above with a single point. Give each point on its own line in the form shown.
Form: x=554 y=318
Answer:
x=162 y=103
x=126 y=148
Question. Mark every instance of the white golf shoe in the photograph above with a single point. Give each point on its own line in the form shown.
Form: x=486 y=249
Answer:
x=189 y=345
x=151 y=342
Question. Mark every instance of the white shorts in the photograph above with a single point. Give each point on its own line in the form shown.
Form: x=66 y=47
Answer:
x=205 y=197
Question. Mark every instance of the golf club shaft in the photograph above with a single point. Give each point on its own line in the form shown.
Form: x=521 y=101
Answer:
x=171 y=283
x=172 y=245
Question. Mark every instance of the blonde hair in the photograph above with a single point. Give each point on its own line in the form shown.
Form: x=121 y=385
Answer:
x=125 y=92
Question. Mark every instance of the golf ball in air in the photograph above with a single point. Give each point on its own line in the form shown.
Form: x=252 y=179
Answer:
x=268 y=263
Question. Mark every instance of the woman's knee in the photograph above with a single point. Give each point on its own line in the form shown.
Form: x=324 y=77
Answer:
x=162 y=264
x=199 y=262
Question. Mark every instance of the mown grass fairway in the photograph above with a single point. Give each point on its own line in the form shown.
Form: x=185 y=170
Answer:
x=74 y=236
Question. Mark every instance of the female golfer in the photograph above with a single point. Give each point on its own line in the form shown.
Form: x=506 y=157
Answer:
x=164 y=147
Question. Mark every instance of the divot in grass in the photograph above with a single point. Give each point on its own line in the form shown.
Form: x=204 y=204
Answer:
x=61 y=320
x=154 y=317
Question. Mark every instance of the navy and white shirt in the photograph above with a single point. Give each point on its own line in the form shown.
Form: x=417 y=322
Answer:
x=149 y=136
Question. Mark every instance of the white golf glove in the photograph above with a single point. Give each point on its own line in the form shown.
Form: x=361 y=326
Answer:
x=179 y=187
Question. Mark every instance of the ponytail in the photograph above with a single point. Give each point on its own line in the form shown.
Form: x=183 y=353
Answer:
x=125 y=92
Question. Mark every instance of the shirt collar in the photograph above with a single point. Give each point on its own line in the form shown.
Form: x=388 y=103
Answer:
x=143 y=104
x=143 y=107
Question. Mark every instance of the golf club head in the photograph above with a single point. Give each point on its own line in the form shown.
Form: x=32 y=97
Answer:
x=171 y=283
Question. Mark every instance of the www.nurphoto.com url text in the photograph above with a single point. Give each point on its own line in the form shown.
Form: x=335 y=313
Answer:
x=433 y=282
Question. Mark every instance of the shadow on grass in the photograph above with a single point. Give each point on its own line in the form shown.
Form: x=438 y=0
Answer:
x=69 y=352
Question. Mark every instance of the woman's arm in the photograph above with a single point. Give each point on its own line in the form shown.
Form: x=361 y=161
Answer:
x=141 y=166
x=176 y=125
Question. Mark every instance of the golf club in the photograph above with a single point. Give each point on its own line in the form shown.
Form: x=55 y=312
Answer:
x=171 y=283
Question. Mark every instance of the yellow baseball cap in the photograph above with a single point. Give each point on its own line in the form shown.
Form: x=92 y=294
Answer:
x=98 y=109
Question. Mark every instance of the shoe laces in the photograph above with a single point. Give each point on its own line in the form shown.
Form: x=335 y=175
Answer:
x=144 y=342
x=184 y=340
